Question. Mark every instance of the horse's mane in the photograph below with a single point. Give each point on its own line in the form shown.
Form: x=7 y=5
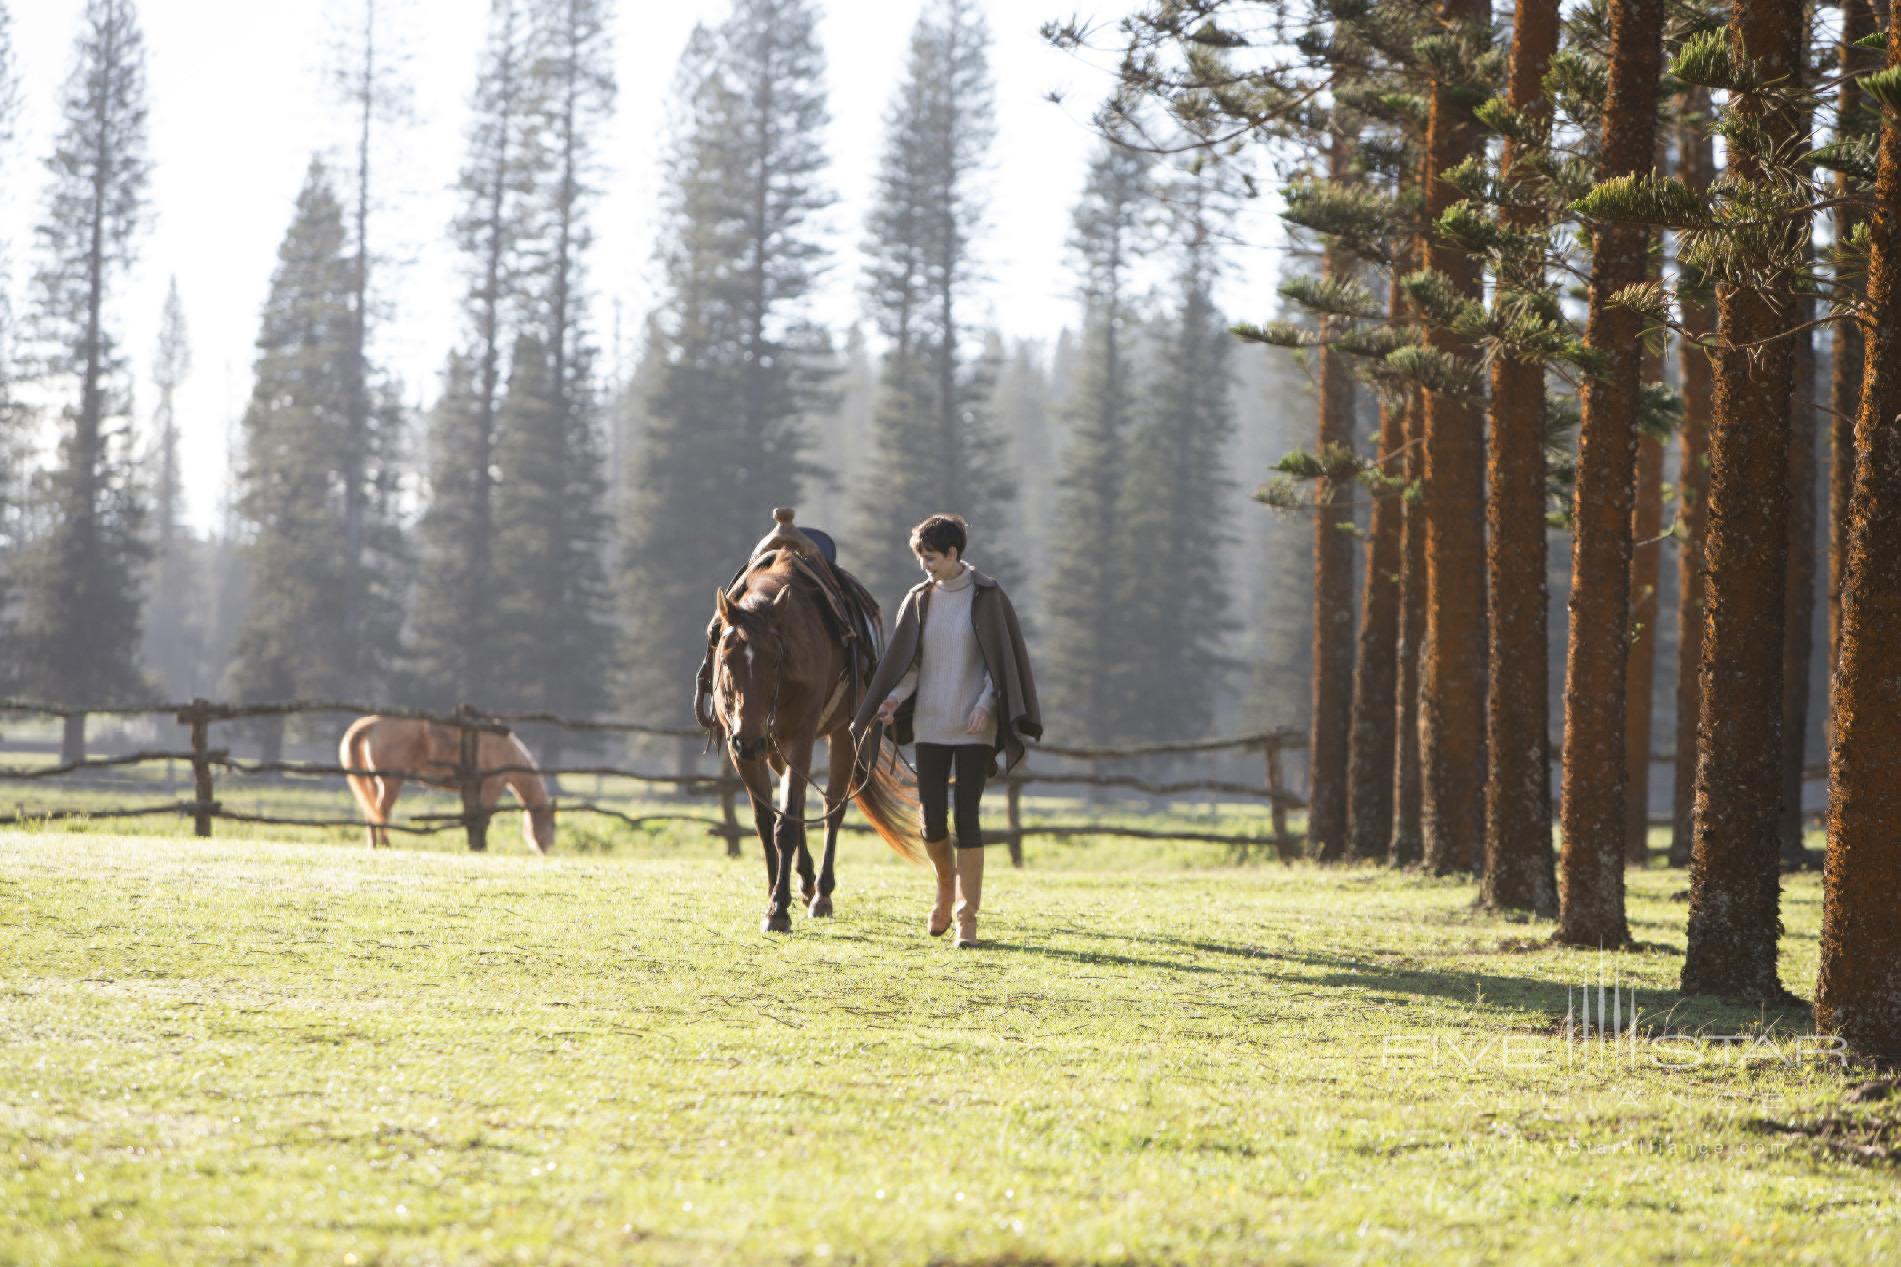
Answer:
x=756 y=588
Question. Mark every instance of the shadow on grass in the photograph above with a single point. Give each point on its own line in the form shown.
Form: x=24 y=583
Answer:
x=1098 y=957
x=1663 y=1012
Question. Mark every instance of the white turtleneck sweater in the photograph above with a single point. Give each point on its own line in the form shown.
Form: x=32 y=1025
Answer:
x=949 y=675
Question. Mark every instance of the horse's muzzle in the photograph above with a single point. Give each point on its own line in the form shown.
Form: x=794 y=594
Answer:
x=747 y=749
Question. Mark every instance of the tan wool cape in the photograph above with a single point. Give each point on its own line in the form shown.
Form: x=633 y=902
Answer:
x=1006 y=659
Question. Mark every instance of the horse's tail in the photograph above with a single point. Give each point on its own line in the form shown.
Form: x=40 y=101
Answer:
x=352 y=754
x=888 y=796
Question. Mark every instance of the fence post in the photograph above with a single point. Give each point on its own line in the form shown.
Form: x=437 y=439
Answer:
x=1013 y=802
x=469 y=776
x=1276 y=789
x=729 y=815
x=198 y=717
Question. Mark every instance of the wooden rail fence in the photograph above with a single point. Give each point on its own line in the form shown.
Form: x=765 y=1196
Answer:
x=199 y=715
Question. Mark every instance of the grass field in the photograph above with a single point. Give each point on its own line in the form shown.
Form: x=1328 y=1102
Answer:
x=239 y=1051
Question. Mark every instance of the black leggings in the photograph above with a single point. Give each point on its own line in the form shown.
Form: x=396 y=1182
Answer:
x=933 y=774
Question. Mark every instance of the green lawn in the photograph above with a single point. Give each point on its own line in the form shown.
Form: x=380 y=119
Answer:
x=237 y=1051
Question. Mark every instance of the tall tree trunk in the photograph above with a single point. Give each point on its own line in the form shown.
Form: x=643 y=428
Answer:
x=1408 y=844
x=1453 y=675
x=357 y=427
x=1370 y=747
x=1845 y=363
x=479 y=651
x=1858 y=991
x=1519 y=872
x=1734 y=882
x=1696 y=164
x=1593 y=810
x=1333 y=584
x=1646 y=566
x=1798 y=597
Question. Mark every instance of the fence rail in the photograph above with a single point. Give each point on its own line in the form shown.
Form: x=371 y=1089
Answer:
x=467 y=777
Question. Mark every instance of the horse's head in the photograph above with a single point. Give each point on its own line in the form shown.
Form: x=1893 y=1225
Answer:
x=747 y=661
x=539 y=822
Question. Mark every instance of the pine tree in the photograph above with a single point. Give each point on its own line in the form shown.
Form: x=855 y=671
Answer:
x=1696 y=164
x=79 y=581
x=300 y=638
x=1735 y=886
x=841 y=436
x=453 y=621
x=724 y=439
x=1518 y=858
x=375 y=92
x=1086 y=614
x=1646 y=569
x=554 y=645
x=1858 y=990
x=936 y=446
x=1024 y=403
x=1593 y=812
x=1174 y=587
x=1453 y=671
x=1852 y=120
x=553 y=649
x=1327 y=748
x=1798 y=597
x=173 y=630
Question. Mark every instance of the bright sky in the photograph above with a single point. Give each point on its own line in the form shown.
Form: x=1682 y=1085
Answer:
x=240 y=100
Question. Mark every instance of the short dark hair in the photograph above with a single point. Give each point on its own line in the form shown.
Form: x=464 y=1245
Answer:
x=942 y=533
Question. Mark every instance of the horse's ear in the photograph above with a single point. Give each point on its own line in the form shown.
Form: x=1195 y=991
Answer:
x=723 y=605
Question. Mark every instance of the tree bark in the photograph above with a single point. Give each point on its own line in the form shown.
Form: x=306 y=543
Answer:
x=1453 y=674
x=1371 y=745
x=1858 y=991
x=1519 y=869
x=1734 y=881
x=1408 y=844
x=1646 y=567
x=1696 y=164
x=1591 y=910
x=1798 y=596
x=1333 y=584
x=1845 y=360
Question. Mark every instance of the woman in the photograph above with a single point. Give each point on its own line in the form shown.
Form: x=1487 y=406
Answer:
x=956 y=681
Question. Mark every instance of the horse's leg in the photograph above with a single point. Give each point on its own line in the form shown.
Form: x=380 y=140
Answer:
x=808 y=882
x=791 y=836
x=759 y=787
x=837 y=784
x=387 y=786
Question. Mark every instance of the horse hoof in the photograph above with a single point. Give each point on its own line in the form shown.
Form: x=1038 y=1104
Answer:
x=777 y=923
x=821 y=907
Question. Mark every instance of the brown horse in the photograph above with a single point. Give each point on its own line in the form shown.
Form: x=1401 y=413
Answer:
x=781 y=680
x=401 y=747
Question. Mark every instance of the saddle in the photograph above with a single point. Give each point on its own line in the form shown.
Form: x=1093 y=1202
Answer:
x=849 y=610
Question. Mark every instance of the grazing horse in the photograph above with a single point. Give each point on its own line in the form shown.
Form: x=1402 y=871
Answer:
x=400 y=747
x=781 y=679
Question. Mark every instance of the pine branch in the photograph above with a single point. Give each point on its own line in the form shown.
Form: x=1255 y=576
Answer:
x=1333 y=297
x=1435 y=296
x=1706 y=60
x=1277 y=334
x=1647 y=199
x=1650 y=300
x=1883 y=86
x=1436 y=371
